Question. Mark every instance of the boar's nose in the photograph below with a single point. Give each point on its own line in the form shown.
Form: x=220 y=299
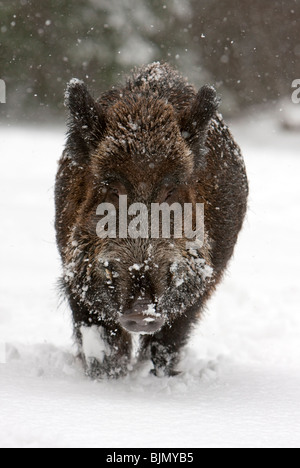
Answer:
x=142 y=318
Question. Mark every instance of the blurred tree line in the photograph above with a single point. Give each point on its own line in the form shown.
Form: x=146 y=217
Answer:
x=249 y=50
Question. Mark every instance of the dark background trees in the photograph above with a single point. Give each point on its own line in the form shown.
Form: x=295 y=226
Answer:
x=249 y=50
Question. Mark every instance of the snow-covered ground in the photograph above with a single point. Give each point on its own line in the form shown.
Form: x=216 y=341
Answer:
x=240 y=384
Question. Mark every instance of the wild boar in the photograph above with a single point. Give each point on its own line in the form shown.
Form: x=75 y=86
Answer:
x=154 y=142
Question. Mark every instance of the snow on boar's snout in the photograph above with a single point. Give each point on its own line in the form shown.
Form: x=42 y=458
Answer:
x=142 y=318
x=155 y=145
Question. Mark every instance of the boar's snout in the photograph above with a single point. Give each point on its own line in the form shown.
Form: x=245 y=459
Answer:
x=142 y=318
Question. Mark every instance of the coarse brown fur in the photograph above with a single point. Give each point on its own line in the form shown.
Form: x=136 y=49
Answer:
x=155 y=140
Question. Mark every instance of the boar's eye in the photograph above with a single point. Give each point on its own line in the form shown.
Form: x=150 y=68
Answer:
x=114 y=192
x=170 y=195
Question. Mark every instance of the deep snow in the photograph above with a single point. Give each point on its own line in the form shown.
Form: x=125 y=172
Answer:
x=240 y=384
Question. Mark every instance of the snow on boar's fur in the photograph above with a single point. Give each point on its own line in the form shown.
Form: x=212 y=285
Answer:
x=155 y=140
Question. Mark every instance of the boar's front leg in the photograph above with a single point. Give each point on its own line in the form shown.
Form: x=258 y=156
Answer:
x=105 y=350
x=165 y=346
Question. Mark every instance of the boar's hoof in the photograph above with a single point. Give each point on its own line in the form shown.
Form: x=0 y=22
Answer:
x=165 y=373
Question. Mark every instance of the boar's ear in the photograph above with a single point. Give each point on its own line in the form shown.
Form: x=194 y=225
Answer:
x=86 y=119
x=196 y=118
